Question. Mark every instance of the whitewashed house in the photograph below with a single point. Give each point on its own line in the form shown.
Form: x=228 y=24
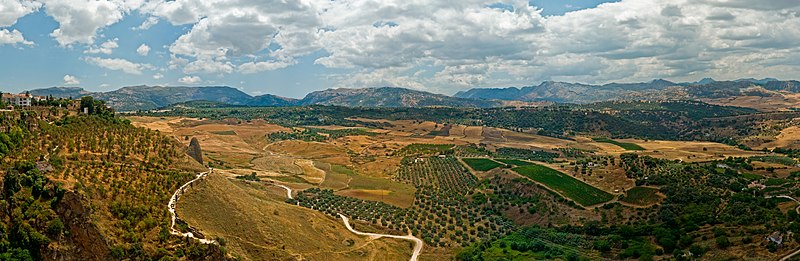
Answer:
x=19 y=100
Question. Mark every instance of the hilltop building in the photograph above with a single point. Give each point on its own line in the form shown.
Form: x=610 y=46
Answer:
x=19 y=100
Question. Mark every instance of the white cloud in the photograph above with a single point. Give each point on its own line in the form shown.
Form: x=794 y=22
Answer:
x=79 y=20
x=223 y=31
x=149 y=22
x=71 y=80
x=633 y=40
x=208 y=66
x=158 y=76
x=104 y=48
x=190 y=80
x=12 y=37
x=11 y=10
x=256 y=67
x=119 y=65
x=456 y=44
x=143 y=50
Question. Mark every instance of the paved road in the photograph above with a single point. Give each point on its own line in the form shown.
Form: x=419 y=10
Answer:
x=417 y=242
x=171 y=207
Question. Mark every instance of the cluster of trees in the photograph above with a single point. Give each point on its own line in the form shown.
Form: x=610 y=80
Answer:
x=445 y=174
x=10 y=141
x=29 y=220
x=95 y=107
x=440 y=220
x=316 y=134
x=51 y=101
x=516 y=153
x=470 y=151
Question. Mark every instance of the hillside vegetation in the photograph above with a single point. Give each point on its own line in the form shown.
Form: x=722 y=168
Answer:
x=90 y=187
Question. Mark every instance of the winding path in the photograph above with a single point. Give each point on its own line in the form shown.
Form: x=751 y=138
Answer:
x=288 y=190
x=796 y=252
x=171 y=207
x=417 y=242
x=172 y=202
x=788 y=197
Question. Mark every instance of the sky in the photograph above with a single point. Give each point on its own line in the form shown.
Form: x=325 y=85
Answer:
x=290 y=48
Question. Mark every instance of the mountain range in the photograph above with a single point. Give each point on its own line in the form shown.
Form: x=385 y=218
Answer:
x=151 y=97
x=659 y=89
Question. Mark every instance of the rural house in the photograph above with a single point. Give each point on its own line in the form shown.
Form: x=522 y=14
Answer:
x=776 y=237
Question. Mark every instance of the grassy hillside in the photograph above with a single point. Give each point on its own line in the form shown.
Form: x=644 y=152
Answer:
x=94 y=168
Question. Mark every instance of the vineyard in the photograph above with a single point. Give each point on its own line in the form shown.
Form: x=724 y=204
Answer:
x=514 y=162
x=582 y=193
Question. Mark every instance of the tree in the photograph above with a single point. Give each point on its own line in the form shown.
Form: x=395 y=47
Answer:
x=87 y=104
x=723 y=242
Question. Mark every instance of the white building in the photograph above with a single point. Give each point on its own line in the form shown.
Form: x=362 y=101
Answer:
x=19 y=100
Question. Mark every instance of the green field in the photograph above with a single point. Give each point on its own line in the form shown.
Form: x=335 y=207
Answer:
x=775 y=182
x=642 y=196
x=514 y=162
x=570 y=187
x=750 y=176
x=624 y=145
x=783 y=160
x=481 y=164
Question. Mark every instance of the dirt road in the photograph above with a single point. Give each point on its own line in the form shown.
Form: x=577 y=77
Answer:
x=417 y=242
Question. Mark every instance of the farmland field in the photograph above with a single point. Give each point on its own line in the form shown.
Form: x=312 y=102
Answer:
x=514 y=162
x=624 y=145
x=480 y=164
x=570 y=187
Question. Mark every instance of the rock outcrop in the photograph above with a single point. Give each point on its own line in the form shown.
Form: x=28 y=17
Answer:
x=194 y=150
x=84 y=240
